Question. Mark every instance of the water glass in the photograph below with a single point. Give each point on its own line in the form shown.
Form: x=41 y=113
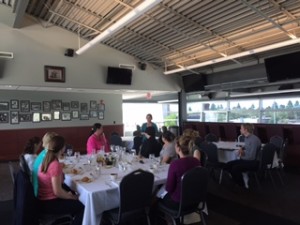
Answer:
x=151 y=157
x=77 y=156
x=69 y=152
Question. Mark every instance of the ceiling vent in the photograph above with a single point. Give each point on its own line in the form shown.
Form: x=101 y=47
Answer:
x=6 y=55
x=127 y=66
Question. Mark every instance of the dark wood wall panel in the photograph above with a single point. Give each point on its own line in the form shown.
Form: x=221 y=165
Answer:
x=12 y=142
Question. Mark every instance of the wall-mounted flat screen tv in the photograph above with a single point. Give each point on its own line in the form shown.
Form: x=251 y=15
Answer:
x=283 y=67
x=194 y=82
x=116 y=75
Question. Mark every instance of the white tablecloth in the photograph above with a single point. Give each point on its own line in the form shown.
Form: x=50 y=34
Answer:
x=102 y=194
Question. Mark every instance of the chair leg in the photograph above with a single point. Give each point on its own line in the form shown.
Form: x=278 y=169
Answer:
x=221 y=175
x=272 y=180
x=280 y=170
x=203 y=222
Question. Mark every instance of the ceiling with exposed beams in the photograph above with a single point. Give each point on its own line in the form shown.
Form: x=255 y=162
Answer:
x=177 y=34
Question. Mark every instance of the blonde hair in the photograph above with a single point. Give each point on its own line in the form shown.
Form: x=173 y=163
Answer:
x=56 y=144
x=183 y=143
x=47 y=137
x=191 y=135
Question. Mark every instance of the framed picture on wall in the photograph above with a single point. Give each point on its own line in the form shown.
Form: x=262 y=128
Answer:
x=75 y=114
x=93 y=113
x=74 y=104
x=4 y=106
x=14 y=117
x=66 y=106
x=56 y=115
x=46 y=106
x=3 y=117
x=56 y=104
x=84 y=116
x=25 y=117
x=46 y=117
x=93 y=104
x=66 y=116
x=36 y=117
x=25 y=105
x=14 y=104
x=36 y=106
x=55 y=74
x=83 y=107
x=101 y=115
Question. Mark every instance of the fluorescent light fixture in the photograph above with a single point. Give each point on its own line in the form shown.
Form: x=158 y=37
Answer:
x=264 y=93
x=133 y=14
x=168 y=101
x=234 y=56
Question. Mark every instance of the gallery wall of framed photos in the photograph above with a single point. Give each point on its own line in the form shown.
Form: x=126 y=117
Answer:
x=17 y=111
x=69 y=108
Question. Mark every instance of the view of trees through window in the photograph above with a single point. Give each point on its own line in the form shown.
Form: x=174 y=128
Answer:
x=271 y=110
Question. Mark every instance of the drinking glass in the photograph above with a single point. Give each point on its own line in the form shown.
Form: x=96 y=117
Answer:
x=151 y=157
x=69 y=152
x=77 y=156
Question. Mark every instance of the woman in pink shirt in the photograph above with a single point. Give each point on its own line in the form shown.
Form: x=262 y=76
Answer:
x=97 y=140
x=53 y=198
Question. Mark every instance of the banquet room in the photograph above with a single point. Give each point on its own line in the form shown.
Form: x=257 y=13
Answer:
x=68 y=64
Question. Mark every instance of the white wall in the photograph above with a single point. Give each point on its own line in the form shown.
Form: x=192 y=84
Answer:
x=35 y=46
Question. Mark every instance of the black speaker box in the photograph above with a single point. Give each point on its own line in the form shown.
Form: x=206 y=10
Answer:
x=142 y=66
x=69 y=52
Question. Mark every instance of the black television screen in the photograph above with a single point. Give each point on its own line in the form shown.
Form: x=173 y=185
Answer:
x=194 y=82
x=283 y=67
x=116 y=75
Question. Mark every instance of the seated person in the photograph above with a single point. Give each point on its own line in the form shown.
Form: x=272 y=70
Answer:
x=53 y=199
x=163 y=130
x=176 y=170
x=32 y=147
x=150 y=145
x=195 y=141
x=248 y=155
x=97 y=140
x=168 y=152
x=39 y=159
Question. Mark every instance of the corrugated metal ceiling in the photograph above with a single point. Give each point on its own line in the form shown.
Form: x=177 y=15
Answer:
x=177 y=33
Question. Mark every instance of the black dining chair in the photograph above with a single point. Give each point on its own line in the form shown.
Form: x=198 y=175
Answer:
x=24 y=166
x=212 y=162
x=265 y=164
x=210 y=137
x=193 y=194
x=241 y=138
x=26 y=205
x=135 y=198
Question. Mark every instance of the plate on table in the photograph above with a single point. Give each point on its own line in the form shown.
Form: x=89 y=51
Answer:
x=85 y=180
x=74 y=171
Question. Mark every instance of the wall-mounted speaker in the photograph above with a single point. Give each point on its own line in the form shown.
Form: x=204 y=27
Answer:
x=69 y=52
x=142 y=65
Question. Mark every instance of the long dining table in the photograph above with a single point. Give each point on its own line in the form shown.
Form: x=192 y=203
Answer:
x=228 y=151
x=100 y=192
